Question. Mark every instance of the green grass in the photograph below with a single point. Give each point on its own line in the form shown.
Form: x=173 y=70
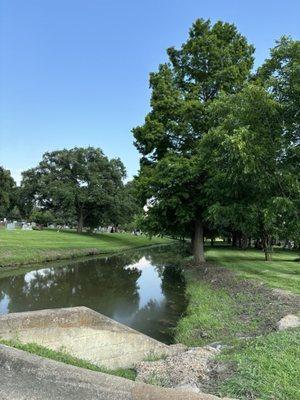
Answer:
x=225 y=307
x=41 y=351
x=211 y=316
x=220 y=314
x=24 y=247
x=282 y=272
x=267 y=368
x=152 y=357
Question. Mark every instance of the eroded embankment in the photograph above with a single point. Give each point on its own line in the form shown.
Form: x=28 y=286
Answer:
x=242 y=315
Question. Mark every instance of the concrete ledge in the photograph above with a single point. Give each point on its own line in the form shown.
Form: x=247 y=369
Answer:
x=24 y=376
x=83 y=333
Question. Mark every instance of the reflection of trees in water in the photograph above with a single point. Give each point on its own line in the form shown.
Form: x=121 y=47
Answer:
x=96 y=284
x=161 y=256
x=158 y=319
x=152 y=320
x=106 y=286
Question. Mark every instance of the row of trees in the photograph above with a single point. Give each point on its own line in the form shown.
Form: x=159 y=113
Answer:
x=78 y=186
x=220 y=146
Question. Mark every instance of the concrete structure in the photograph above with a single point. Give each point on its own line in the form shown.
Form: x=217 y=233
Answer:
x=83 y=333
x=24 y=376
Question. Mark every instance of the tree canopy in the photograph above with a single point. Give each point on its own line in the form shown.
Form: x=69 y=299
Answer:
x=220 y=146
x=215 y=59
x=7 y=192
x=79 y=184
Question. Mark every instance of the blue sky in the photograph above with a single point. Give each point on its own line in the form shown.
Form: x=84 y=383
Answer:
x=75 y=72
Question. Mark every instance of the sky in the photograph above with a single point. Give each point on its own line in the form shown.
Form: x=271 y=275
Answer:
x=75 y=72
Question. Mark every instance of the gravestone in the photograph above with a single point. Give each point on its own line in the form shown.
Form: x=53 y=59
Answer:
x=11 y=226
x=26 y=227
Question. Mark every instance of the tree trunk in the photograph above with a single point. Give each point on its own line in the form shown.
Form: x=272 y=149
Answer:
x=80 y=222
x=240 y=241
x=267 y=246
x=198 y=249
x=234 y=239
x=192 y=243
x=245 y=242
x=249 y=242
x=268 y=254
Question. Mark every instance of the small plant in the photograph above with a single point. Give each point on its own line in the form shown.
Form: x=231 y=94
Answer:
x=151 y=357
x=156 y=380
x=66 y=358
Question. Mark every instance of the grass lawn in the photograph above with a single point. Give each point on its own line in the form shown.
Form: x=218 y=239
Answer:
x=266 y=368
x=19 y=247
x=223 y=307
x=282 y=272
x=42 y=351
x=211 y=316
x=230 y=306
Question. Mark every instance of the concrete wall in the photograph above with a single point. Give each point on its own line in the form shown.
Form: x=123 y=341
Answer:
x=84 y=333
x=24 y=376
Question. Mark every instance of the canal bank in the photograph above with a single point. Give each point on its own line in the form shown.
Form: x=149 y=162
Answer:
x=18 y=247
x=147 y=288
x=241 y=317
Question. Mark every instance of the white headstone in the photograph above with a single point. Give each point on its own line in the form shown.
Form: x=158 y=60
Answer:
x=11 y=226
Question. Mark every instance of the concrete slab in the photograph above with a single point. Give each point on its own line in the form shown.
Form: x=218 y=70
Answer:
x=24 y=376
x=83 y=333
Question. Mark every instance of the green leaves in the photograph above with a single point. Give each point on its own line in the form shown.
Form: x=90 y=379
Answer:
x=79 y=184
x=7 y=192
x=218 y=145
x=172 y=179
x=214 y=58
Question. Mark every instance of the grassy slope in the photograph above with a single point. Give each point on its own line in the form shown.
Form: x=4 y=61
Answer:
x=23 y=247
x=283 y=272
x=267 y=367
x=211 y=316
x=68 y=359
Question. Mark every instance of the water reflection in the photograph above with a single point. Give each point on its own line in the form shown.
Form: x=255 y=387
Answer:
x=137 y=288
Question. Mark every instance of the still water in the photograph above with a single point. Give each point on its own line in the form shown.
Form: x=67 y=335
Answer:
x=138 y=288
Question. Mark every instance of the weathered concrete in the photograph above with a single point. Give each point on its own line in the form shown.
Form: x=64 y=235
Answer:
x=24 y=376
x=83 y=333
x=289 y=321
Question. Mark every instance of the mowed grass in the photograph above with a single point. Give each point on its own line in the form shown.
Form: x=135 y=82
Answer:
x=66 y=358
x=229 y=307
x=267 y=368
x=19 y=247
x=211 y=316
x=282 y=272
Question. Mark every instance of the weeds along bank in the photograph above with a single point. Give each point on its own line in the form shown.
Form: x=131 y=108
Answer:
x=241 y=314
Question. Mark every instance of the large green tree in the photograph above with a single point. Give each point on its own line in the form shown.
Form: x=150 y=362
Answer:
x=79 y=184
x=215 y=58
x=7 y=192
x=252 y=154
x=240 y=156
x=280 y=74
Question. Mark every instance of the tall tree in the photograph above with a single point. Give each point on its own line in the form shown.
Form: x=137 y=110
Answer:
x=81 y=184
x=215 y=58
x=280 y=74
x=7 y=188
x=240 y=156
